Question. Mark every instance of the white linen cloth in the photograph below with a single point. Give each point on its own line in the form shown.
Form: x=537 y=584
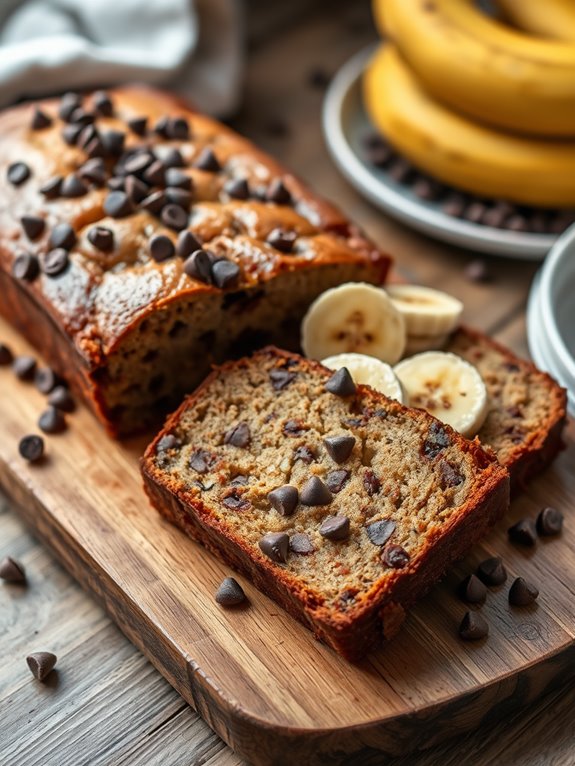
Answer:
x=192 y=46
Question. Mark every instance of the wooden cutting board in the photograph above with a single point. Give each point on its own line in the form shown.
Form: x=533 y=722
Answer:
x=257 y=677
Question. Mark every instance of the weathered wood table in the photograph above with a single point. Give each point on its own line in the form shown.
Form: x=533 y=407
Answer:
x=108 y=705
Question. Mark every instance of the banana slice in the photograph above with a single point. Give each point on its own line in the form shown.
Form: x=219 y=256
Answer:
x=368 y=371
x=427 y=312
x=446 y=386
x=353 y=317
x=417 y=343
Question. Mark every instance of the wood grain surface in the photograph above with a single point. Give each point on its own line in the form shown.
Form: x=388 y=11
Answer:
x=107 y=705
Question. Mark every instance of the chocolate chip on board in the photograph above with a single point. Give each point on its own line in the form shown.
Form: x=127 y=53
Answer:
x=6 y=356
x=275 y=545
x=52 y=421
x=41 y=664
x=24 y=367
x=12 y=571
x=522 y=593
x=31 y=447
x=473 y=590
x=549 y=521
x=340 y=383
x=45 y=379
x=284 y=499
x=61 y=398
x=335 y=528
x=473 y=627
x=523 y=533
x=230 y=593
x=315 y=492
x=492 y=572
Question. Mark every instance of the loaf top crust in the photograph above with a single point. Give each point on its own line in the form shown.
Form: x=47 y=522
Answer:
x=99 y=296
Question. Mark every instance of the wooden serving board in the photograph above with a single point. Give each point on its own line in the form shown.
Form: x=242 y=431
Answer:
x=258 y=678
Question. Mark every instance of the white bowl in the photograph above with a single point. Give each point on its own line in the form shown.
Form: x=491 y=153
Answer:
x=551 y=315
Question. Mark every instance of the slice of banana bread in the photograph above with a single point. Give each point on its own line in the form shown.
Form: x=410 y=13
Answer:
x=527 y=408
x=341 y=504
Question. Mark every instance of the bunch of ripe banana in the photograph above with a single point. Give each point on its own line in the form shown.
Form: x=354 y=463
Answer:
x=482 y=104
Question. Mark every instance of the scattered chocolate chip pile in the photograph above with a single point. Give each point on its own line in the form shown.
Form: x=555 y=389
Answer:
x=498 y=214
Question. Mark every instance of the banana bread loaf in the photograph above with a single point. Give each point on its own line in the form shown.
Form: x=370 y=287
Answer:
x=341 y=504
x=140 y=242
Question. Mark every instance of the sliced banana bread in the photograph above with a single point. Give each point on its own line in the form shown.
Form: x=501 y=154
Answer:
x=341 y=504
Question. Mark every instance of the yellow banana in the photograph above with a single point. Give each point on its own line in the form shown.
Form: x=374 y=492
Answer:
x=457 y=150
x=554 y=19
x=482 y=68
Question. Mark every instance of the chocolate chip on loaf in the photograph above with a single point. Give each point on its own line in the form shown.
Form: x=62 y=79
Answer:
x=238 y=436
x=341 y=383
x=279 y=193
x=18 y=172
x=26 y=267
x=208 y=161
x=187 y=244
x=225 y=273
x=339 y=448
x=336 y=480
x=101 y=238
x=315 y=492
x=282 y=240
x=62 y=235
x=237 y=189
x=301 y=544
x=161 y=248
x=199 y=266
x=280 y=379
x=284 y=499
x=55 y=262
x=275 y=545
x=395 y=556
x=335 y=528
x=33 y=226
x=40 y=120
x=380 y=531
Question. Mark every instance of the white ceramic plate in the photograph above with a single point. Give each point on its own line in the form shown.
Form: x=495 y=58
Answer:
x=346 y=125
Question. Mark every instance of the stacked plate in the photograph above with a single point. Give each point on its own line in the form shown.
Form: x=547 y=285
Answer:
x=551 y=315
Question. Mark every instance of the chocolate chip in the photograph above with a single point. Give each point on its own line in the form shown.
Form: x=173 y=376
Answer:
x=301 y=544
x=94 y=170
x=335 y=528
x=167 y=442
x=340 y=383
x=174 y=216
x=117 y=204
x=474 y=212
x=179 y=197
x=282 y=240
x=275 y=545
x=523 y=532
x=52 y=421
x=549 y=521
x=280 y=379
x=95 y=149
x=427 y=189
x=178 y=128
x=81 y=117
x=138 y=125
x=491 y=571
x=45 y=380
x=207 y=160
x=516 y=222
x=137 y=162
x=177 y=178
x=380 y=531
x=478 y=271
x=12 y=570
x=103 y=103
x=371 y=483
x=61 y=398
x=401 y=170
x=202 y=461
x=155 y=174
x=40 y=120
x=450 y=475
x=101 y=238
x=279 y=193
x=236 y=502
x=436 y=441
x=55 y=262
x=454 y=205
x=377 y=152
x=522 y=593
x=303 y=453
x=26 y=266
x=73 y=186
x=135 y=189
x=230 y=593
x=24 y=367
x=472 y=590
x=161 y=248
x=18 y=172
x=31 y=447
x=187 y=244
x=69 y=102
x=395 y=556
x=51 y=189
x=293 y=427
x=161 y=126
x=315 y=492
x=41 y=664
x=154 y=202
x=339 y=448
x=336 y=480
x=71 y=134
x=238 y=436
x=237 y=188
x=199 y=266
x=473 y=627
x=33 y=225
x=6 y=356
x=62 y=235
x=113 y=142
x=225 y=273
x=173 y=159
x=284 y=499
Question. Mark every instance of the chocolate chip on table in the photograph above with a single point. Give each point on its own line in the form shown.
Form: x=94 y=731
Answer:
x=238 y=436
x=473 y=627
x=45 y=380
x=187 y=244
x=26 y=266
x=237 y=188
x=24 y=367
x=492 y=572
x=161 y=248
x=41 y=664
x=549 y=521
x=33 y=225
x=336 y=480
x=174 y=216
x=6 y=356
x=380 y=531
x=199 y=266
x=522 y=593
x=473 y=590
x=395 y=556
x=335 y=528
x=118 y=205
x=68 y=104
x=339 y=448
x=61 y=398
x=275 y=545
x=230 y=593
x=55 y=262
x=315 y=492
x=208 y=161
x=52 y=421
x=138 y=125
x=284 y=499
x=282 y=240
x=71 y=133
x=136 y=189
x=40 y=120
x=31 y=447
x=73 y=186
x=280 y=379
x=12 y=571
x=301 y=544
x=101 y=238
x=340 y=383
x=62 y=235
x=18 y=172
x=225 y=273
x=51 y=189
x=154 y=202
x=478 y=271
x=103 y=103
x=523 y=532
